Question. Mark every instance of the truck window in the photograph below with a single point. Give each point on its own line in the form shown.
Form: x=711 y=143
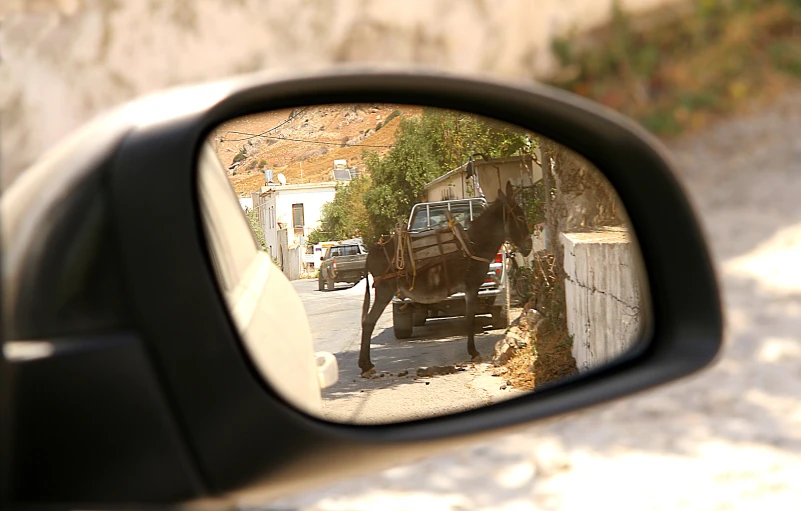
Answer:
x=434 y=215
x=350 y=250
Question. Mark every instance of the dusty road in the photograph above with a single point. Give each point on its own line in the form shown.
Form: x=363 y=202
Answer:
x=726 y=439
x=396 y=392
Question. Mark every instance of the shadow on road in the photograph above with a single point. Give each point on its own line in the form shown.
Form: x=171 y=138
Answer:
x=441 y=342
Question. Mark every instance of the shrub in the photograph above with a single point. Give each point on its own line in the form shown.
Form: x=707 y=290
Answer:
x=391 y=116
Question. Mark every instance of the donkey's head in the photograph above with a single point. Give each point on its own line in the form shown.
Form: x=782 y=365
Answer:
x=514 y=221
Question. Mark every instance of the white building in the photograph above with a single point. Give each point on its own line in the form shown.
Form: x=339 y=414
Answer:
x=487 y=176
x=246 y=203
x=288 y=213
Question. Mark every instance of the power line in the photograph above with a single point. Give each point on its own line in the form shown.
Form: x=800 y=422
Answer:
x=320 y=142
x=251 y=135
x=291 y=117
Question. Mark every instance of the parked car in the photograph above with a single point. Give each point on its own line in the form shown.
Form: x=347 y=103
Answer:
x=494 y=294
x=346 y=262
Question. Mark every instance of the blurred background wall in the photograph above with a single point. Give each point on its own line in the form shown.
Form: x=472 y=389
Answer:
x=64 y=61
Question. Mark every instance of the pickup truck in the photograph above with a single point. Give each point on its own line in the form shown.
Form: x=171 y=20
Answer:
x=345 y=262
x=494 y=294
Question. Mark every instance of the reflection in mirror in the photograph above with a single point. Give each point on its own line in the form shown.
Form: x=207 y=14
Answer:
x=447 y=261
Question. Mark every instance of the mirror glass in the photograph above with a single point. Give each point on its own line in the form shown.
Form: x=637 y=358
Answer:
x=386 y=263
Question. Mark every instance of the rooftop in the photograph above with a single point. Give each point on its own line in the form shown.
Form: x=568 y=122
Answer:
x=303 y=186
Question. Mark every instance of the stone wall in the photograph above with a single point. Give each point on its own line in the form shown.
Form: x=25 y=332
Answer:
x=602 y=295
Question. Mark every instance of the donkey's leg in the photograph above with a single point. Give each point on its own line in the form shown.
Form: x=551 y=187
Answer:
x=471 y=304
x=383 y=295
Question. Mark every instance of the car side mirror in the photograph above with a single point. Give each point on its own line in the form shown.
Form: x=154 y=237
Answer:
x=128 y=334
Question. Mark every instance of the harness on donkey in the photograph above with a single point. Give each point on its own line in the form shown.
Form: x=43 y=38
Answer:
x=418 y=251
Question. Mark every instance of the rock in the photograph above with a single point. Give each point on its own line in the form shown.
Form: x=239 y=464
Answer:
x=503 y=352
x=444 y=369
x=516 y=339
x=425 y=372
x=500 y=371
x=403 y=373
x=503 y=387
x=533 y=317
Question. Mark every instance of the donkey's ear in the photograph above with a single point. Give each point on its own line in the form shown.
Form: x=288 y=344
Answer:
x=510 y=192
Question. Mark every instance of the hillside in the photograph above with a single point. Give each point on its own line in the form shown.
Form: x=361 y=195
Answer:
x=303 y=143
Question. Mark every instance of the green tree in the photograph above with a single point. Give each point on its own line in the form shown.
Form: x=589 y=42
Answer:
x=345 y=216
x=425 y=148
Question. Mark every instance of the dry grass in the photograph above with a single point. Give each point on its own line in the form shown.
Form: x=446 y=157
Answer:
x=320 y=135
x=548 y=360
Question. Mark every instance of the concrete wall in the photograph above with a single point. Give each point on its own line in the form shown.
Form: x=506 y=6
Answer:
x=290 y=257
x=602 y=295
x=65 y=61
x=293 y=263
x=289 y=254
x=269 y=225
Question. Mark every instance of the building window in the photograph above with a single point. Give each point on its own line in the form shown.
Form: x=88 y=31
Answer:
x=297 y=216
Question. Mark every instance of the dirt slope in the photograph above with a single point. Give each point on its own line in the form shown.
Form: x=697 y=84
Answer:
x=303 y=143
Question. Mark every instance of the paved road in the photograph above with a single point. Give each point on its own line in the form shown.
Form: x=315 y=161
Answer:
x=396 y=392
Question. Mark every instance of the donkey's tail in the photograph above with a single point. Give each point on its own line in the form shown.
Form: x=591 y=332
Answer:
x=366 y=304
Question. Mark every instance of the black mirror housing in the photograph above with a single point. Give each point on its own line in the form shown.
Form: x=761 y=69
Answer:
x=228 y=432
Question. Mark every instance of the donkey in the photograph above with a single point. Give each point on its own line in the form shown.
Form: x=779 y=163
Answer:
x=502 y=220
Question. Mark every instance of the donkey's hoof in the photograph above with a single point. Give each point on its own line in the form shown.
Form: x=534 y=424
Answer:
x=368 y=373
x=477 y=358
